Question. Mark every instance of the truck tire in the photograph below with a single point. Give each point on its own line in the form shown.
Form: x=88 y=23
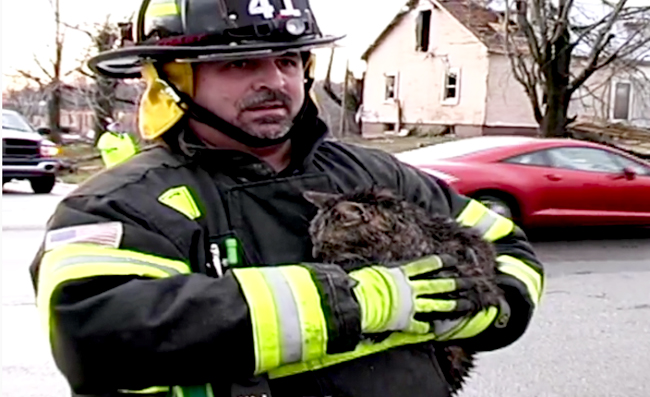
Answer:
x=43 y=184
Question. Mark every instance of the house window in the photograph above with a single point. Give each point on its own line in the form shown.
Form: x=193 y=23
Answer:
x=391 y=87
x=451 y=87
x=422 y=31
x=621 y=101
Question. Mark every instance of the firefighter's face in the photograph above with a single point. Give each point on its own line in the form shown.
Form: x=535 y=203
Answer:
x=261 y=96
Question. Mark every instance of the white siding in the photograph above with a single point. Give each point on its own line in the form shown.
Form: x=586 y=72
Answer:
x=421 y=75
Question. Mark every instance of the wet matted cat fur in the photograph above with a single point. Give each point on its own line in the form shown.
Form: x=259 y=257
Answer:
x=374 y=226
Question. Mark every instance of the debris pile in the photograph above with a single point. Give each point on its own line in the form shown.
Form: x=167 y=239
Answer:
x=635 y=140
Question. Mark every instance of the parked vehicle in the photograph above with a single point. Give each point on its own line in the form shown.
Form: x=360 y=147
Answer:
x=26 y=154
x=543 y=182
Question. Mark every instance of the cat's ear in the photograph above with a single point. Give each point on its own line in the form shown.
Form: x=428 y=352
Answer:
x=319 y=199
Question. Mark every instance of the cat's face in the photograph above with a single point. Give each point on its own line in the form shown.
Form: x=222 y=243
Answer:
x=349 y=222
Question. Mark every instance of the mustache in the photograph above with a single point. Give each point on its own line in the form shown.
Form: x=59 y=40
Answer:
x=265 y=96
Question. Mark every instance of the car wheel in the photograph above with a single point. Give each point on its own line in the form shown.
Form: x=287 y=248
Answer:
x=496 y=204
x=43 y=184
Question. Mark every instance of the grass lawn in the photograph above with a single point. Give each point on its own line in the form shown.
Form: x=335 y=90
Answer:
x=85 y=162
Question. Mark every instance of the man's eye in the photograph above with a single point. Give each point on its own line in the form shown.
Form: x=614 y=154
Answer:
x=237 y=64
x=288 y=62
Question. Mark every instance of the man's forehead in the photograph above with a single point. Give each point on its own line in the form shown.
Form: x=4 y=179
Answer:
x=249 y=57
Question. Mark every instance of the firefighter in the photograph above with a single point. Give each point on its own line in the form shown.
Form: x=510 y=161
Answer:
x=115 y=145
x=188 y=271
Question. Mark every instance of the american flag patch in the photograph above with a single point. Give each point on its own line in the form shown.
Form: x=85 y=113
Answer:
x=108 y=234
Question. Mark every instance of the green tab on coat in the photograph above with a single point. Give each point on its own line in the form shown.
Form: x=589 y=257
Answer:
x=180 y=199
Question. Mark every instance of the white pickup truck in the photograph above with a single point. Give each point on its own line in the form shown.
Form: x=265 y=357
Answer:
x=26 y=154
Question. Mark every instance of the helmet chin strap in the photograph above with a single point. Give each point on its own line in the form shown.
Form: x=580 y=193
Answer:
x=205 y=116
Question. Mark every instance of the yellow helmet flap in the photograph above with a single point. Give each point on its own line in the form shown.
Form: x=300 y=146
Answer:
x=159 y=110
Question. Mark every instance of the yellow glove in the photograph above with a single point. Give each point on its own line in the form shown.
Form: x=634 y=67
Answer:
x=391 y=297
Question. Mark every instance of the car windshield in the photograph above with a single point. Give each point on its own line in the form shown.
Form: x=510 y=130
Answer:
x=458 y=148
x=14 y=121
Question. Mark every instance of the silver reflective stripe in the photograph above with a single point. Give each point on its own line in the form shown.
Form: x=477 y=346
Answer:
x=84 y=259
x=407 y=306
x=485 y=223
x=288 y=315
x=441 y=327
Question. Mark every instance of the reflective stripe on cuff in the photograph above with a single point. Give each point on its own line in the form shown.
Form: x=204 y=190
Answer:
x=524 y=273
x=488 y=223
x=286 y=314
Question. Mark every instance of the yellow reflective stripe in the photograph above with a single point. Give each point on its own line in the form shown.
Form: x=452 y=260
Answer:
x=364 y=348
x=502 y=227
x=180 y=199
x=488 y=223
x=288 y=323
x=162 y=9
x=266 y=327
x=149 y=390
x=471 y=214
x=473 y=326
x=524 y=273
x=78 y=261
x=312 y=320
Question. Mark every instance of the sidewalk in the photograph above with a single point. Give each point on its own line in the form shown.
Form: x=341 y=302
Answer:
x=24 y=210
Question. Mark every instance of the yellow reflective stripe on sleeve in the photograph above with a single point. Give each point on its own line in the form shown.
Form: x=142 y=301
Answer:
x=364 y=348
x=286 y=314
x=524 y=273
x=488 y=223
x=312 y=321
x=473 y=326
x=162 y=8
x=501 y=227
x=471 y=214
x=266 y=328
x=149 y=390
x=78 y=261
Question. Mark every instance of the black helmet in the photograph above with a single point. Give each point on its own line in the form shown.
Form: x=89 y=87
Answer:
x=207 y=30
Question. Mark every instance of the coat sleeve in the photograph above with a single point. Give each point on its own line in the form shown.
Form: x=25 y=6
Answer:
x=520 y=274
x=124 y=310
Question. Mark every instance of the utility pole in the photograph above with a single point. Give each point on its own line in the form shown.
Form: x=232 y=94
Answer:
x=344 y=107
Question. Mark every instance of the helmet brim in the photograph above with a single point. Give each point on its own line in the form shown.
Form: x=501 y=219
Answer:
x=126 y=62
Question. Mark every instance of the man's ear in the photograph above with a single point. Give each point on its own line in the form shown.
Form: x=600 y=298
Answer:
x=319 y=199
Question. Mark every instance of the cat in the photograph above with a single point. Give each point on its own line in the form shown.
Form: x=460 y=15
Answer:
x=375 y=226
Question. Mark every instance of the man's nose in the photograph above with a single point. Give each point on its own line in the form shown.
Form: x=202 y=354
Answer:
x=270 y=75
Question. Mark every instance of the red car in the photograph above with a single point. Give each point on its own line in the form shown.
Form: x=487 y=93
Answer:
x=543 y=182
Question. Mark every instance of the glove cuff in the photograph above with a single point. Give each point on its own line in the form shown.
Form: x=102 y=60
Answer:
x=385 y=299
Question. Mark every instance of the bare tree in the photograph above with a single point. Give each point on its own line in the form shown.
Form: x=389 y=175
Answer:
x=26 y=100
x=49 y=75
x=555 y=46
x=105 y=96
x=100 y=93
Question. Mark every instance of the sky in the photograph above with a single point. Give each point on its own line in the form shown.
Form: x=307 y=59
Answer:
x=28 y=27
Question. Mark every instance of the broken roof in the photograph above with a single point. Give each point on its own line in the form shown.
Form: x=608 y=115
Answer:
x=486 y=24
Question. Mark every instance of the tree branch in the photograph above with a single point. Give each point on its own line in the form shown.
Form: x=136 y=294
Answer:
x=528 y=31
x=527 y=78
x=563 y=21
x=592 y=65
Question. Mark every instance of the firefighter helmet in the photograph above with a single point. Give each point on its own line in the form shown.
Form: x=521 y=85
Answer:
x=208 y=30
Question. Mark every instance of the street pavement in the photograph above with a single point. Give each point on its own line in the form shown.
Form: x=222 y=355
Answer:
x=589 y=338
